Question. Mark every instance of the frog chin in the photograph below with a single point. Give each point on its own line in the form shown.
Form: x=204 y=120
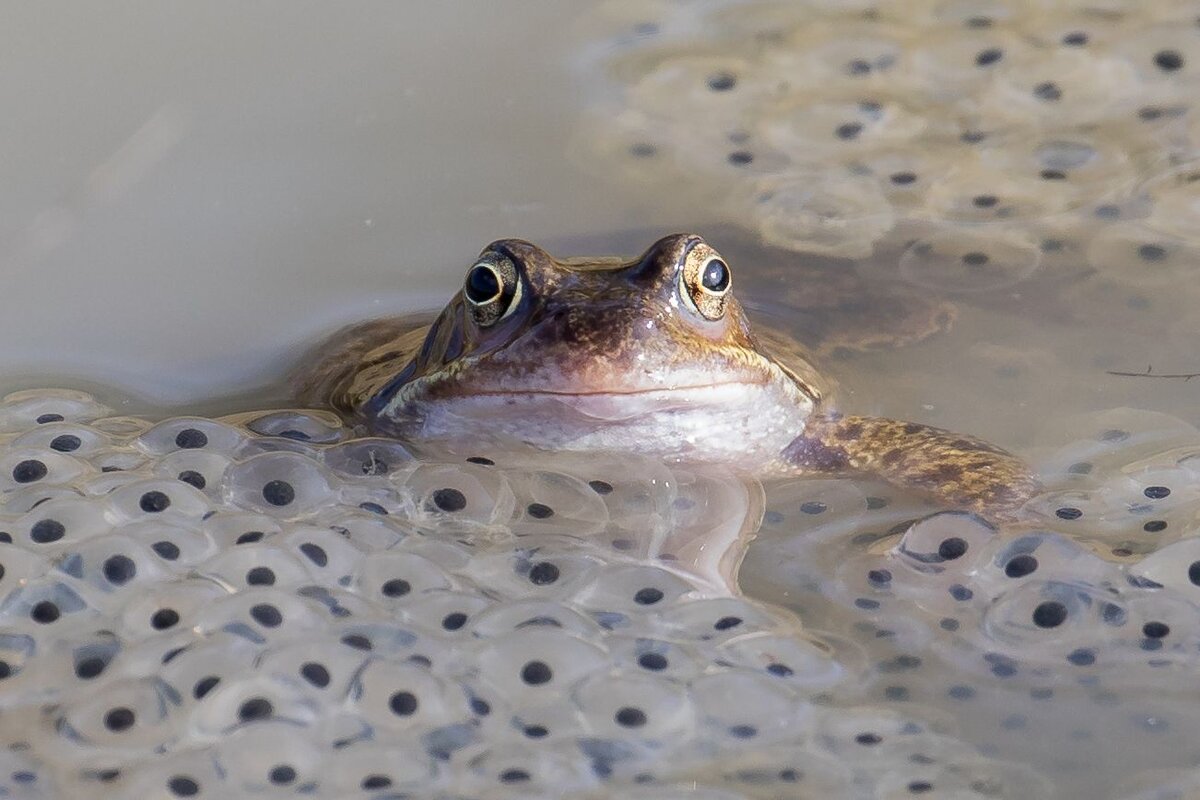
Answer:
x=538 y=409
x=738 y=424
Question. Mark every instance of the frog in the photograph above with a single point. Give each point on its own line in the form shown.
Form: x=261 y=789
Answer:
x=835 y=309
x=650 y=356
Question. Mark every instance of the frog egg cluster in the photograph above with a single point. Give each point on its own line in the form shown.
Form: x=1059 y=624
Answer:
x=1068 y=642
x=264 y=605
x=975 y=140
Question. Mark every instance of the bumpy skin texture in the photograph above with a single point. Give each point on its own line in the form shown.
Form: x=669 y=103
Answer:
x=634 y=356
x=960 y=471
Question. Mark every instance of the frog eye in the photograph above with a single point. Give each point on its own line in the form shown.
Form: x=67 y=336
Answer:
x=704 y=281
x=492 y=289
x=715 y=276
x=483 y=284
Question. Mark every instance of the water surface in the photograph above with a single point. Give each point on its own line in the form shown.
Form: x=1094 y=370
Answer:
x=974 y=212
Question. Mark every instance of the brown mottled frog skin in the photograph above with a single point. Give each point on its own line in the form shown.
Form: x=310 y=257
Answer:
x=652 y=356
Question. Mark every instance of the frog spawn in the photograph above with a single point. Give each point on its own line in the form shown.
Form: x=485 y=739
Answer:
x=1067 y=643
x=924 y=130
x=522 y=631
x=331 y=617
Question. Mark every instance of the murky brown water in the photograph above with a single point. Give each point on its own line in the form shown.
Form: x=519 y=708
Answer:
x=975 y=212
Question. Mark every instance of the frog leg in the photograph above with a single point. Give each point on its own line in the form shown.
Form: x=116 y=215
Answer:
x=962 y=472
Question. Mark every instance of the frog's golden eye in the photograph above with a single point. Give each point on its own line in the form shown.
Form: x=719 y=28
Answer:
x=704 y=281
x=715 y=276
x=492 y=289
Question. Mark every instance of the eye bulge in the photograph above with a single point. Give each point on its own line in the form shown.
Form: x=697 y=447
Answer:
x=705 y=281
x=492 y=289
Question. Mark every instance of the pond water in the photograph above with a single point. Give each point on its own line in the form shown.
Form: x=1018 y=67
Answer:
x=978 y=215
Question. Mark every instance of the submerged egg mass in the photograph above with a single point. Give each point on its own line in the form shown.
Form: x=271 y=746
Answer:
x=1066 y=643
x=518 y=626
x=264 y=604
x=940 y=130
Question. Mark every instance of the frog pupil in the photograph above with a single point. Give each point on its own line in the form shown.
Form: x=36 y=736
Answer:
x=716 y=276
x=483 y=284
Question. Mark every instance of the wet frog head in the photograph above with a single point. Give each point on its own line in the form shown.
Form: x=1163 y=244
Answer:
x=653 y=354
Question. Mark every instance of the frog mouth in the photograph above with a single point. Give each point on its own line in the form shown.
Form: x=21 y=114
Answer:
x=611 y=392
x=613 y=405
